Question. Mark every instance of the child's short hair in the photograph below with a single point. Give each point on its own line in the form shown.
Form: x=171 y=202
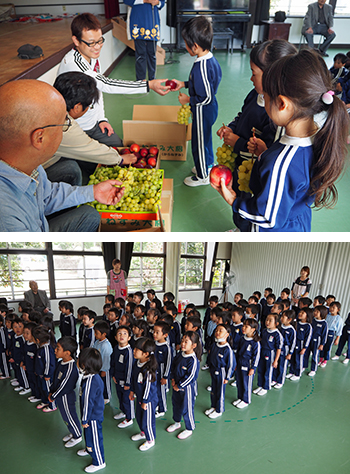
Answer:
x=47 y=321
x=116 y=311
x=10 y=317
x=239 y=294
x=279 y=306
x=198 y=30
x=194 y=312
x=90 y=314
x=257 y=293
x=216 y=311
x=107 y=305
x=286 y=291
x=169 y=296
x=269 y=290
x=142 y=324
x=25 y=306
x=155 y=311
x=196 y=322
x=321 y=299
x=30 y=326
x=276 y=317
x=330 y=296
x=110 y=298
x=169 y=305
x=90 y=360
x=102 y=326
x=42 y=334
x=131 y=305
x=166 y=318
x=290 y=314
x=271 y=295
x=35 y=317
x=306 y=301
x=309 y=314
x=225 y=317
x=68 y=343
x=239 y=311
x=165 y=328
x=286 y=304
x=322 y=310
x=151 y=292
x=254 y=298
x=66 y=305
x=120 y=301
x=242 y=303
x=340 y=57
x=254 y=308
x=82 y=310
x=214 y=299
x=227 y=306
x=127 y=328
x=337 y=304
x=139 y=294
x=142 y=307
x=3 y=308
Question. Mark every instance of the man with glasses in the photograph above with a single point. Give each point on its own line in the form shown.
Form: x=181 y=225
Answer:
x=88 y=41
x=33 y=118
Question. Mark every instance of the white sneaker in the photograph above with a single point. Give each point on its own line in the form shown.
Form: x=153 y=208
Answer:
x=210 y=410
x=173 y=427
x=205 y=367
x=138 y=436
x=312 y=373
x=195 y=181
x=234 y=384
x=295 y=378
x=25 y=391
x=147 y=445
x=257 y=390
x=159 y=414
x=119 y=416
x=18 y=389
x=289 y=376
x=209 y=388
x=236 y=402
x=125 y=423
x=214 y=415
x=67 y=437
x=83 y=452
x=185 y=434
x=72 y=442
x=93 y=468
x=273 y=383
x=242 y=404
x=34 y=400
x=346 y=361
x=2 y=377
x=14 y=383
x=335 y=358
x=278 y=386
x=262 y=392
x=194 y=171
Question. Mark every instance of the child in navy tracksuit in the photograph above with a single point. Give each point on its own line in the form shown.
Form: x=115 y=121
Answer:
x=45 y=364
x=4 y=364
x=344 y=338
x=164 y=358
x=319 y=336
x=67 y=321
x=144 y=387
x=89 y=318
x=222 y=363
x=304 y=334
x=271 y=346
x=30 y=350
x=203 y=84
x=289 y=335
x=62 y=389
x=18 y=357
x=248 y=356
x=121 y=369
x=91 y=407
x=184 y=374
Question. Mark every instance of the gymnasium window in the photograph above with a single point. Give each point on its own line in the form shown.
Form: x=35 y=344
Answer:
x=192 y=265
x=62 y=269
x=299 y=7
x=147 y=268
x=219 y=274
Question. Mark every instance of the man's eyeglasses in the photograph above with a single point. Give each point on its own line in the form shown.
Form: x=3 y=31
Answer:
x=94 y=43
x=65 y=126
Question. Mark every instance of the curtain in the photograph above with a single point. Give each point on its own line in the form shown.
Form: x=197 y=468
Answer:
x=126 y=254
x=111 y=8
x=109 y=254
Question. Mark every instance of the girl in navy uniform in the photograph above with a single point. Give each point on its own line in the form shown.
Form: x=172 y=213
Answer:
x=289 y=335
x=248 y=356
x=45 y=364
x=184 y=374
x=30 y=350
x=163 y=355
x=144 y=387
x=301 y=168
x=91 y=407
x=18 y=356
x=63 y=386
x=271 y=346
x=222 y=363
x=121 y=369
x=4 y=364
x=319 y=336
x=304 y=334
x=344 y=338
x=10 y=336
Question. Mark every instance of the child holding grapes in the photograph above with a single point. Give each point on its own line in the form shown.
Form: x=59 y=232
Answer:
x=203 y=84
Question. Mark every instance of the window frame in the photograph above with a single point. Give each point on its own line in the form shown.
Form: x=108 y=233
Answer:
x=195 y=257
x=156 y=255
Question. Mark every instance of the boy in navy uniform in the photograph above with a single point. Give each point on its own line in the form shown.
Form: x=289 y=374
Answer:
x=203 y=84
x=67 y=322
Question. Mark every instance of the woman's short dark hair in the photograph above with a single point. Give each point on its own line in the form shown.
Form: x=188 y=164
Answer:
x=77 y=88
x=198 y=30
x=84 y=21
x=90 y=360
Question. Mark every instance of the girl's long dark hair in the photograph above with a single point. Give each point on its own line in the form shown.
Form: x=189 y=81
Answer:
x=194 y=337
x=145 y=344
x=304 y=78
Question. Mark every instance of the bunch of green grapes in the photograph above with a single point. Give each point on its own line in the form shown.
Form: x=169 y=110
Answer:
x=184 y=114
x=226 y=156
x=244 y=172
x=142 y=188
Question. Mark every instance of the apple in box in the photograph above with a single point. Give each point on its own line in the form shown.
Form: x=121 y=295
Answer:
x=218 y=172
x=135 y=148
x=143 y=152
x=151 y=160
x=153 y=151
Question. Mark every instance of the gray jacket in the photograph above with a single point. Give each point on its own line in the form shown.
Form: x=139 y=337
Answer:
x=29 y=296
x=311 y=16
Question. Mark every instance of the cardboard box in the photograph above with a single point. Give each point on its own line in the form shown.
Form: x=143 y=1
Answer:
x=170 y=137
x=132 y=225
x=119 y=32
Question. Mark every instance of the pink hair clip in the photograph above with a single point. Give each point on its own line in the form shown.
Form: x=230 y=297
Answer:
x=327 y=97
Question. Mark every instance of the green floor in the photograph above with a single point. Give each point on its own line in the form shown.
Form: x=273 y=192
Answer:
x=303 y=428
x=202 y=209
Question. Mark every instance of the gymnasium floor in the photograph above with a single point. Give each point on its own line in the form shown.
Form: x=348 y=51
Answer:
x=203 y=209
x=302 y=428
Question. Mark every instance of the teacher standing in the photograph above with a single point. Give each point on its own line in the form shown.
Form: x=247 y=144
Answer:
x=301 y=286
x=117 y=280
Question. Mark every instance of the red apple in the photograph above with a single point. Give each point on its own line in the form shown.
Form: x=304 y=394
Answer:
x=142 y=162
x=134 y=147
x=152 y=161
x=144 y=152
x=153 y=150
x=125 y=151
x=218 y=172
x=171 y=83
